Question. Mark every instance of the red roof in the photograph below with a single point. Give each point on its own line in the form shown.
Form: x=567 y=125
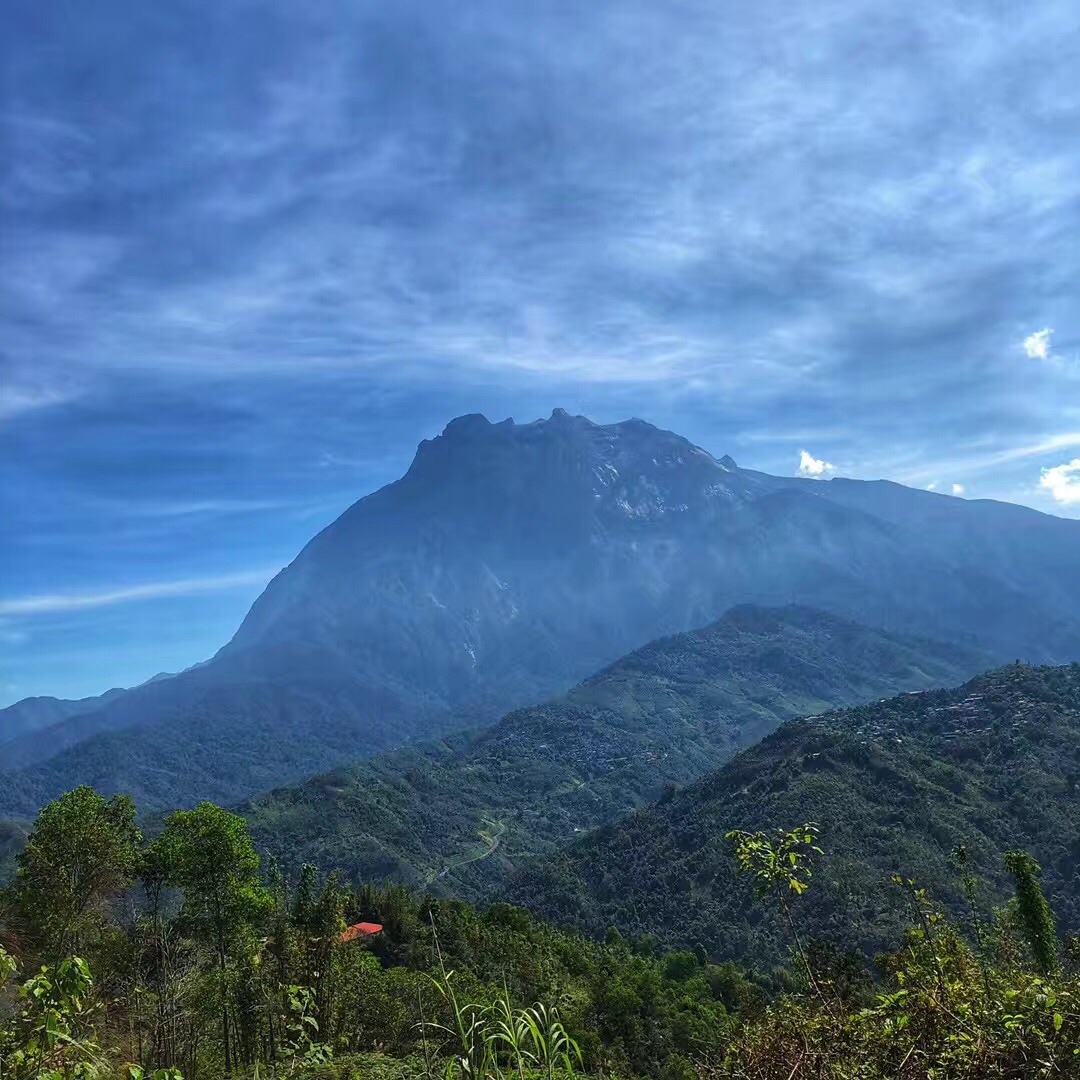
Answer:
x=361 y=929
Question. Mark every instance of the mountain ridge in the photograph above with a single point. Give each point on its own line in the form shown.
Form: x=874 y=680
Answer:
x=33 y=714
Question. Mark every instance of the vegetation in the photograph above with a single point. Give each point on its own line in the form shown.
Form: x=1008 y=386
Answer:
x=242 y=975
x=941 y=1008
x=898 y=785
x=83 y=851
x=1032 y=909
x=186 y=954
x=453 y=816
x=190 y=957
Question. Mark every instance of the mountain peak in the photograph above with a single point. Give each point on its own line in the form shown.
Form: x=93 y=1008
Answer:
x=473 y=425
x=633 y=449
x=468 y=424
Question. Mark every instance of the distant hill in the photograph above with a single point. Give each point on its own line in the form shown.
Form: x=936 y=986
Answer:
x=453 y=815
x=511 y=561
x=35 y=713
x=895 y=786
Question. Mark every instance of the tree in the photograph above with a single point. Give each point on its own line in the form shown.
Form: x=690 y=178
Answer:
x=1036 y=918
x=208 y=853
x=779 y=866
x=83 y=851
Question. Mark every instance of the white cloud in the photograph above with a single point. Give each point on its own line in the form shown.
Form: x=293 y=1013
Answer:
x=932 y=486
x=1037 y=345
x=958 y=489
x=1063 y=481
x=814 y=467
x=60 y=602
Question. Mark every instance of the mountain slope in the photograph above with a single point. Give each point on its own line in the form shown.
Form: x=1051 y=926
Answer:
x=894 y=785
x=514 y=559
x=453 y=813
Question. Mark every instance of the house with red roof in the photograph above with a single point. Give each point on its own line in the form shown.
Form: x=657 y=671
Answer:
x=361 y=930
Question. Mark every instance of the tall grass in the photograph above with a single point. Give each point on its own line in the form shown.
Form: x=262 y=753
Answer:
x=498 y=1041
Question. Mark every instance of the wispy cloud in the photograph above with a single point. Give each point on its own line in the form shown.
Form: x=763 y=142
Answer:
x=65 y=602
x=980 y=460
x=17 y=400
x=195 y=507
x=958 y=489
x=24 y=389
x=525 y=214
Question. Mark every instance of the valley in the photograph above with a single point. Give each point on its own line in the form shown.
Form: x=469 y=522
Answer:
x=661 y=716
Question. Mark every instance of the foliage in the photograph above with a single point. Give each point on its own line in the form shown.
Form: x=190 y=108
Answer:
x=208 y=853
x=942 y=1011
x=1016 y=1024
x=208 y=965
x=778 y=864
x=83 y=850
x=50 y=1036
x=208 y=968
x=300 y=1030
x=495 y=1041
x=1034 y=912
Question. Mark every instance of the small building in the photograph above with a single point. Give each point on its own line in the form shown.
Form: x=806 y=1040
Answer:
x=361 y=930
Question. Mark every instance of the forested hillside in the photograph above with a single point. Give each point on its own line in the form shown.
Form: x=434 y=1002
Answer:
x=896 y=785
x=455 y=815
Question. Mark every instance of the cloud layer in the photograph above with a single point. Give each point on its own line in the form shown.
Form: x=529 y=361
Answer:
x=250 y=256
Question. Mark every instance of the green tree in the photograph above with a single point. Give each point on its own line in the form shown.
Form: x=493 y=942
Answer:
x=1036 y=918
x=779 y=866
x=208 y=853
x=83 y=851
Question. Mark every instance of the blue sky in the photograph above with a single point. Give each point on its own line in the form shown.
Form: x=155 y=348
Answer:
x=252 y=253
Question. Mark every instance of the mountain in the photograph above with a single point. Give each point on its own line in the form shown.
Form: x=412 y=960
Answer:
x=511 y=561
x=455 y=814
x=895 y=786
x=32 y=714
